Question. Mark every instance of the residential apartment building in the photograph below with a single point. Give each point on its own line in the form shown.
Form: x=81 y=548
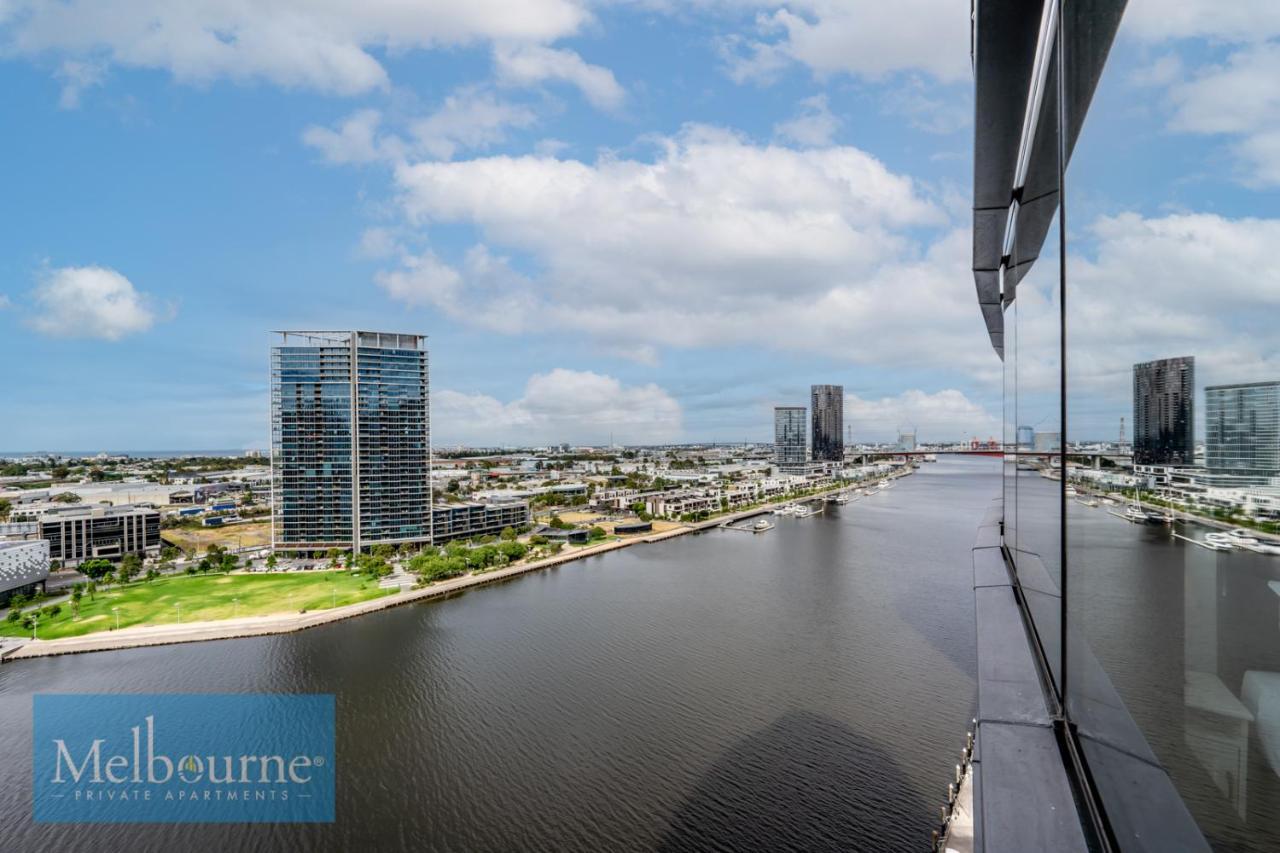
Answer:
x=1164 y=411
x=1242 y=433
x=827 y=408
x=465 y=520
x=350 y=440
x=674 y=504
x=789 y=428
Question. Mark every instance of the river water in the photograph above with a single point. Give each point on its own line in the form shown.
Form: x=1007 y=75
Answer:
x=806 y=688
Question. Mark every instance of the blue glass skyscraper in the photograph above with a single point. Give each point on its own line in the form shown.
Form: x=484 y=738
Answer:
x=350 y=440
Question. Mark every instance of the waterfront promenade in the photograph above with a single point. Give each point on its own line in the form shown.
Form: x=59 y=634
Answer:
x=283 y=623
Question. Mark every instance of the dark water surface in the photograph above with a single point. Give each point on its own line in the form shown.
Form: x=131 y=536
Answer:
x=807 y=688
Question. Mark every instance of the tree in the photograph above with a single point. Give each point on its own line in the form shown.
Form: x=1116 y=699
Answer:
x=66 y=498
x=152 y=574
x=129 y=567
x=452 y=487
x=384 y=550
x=96 y=568
x=512 y=550
x=597 y=532
x=508 y=534
x=5 y=508
x=91 y=587
x=271 y=560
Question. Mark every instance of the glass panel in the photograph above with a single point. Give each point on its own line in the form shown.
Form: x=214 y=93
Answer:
x=1036 y=543
x=1174 y=437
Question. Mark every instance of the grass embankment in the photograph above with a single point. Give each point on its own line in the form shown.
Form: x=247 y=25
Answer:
x=254 y=534
x=203 y=598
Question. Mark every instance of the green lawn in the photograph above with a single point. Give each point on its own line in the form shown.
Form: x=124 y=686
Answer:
x=203 y=598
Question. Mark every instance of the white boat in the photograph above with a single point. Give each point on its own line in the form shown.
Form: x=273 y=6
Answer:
x=1087 y=502
x=761 y=526
x=1242 y=538
x=802 y=512
x=1220 y=540
x=1136 y=514
x=1215 y=546
x=1071 y=491
x=1108 y=502
x=931 y=457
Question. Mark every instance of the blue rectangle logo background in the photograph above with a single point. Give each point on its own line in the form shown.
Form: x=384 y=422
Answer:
x=183 y=758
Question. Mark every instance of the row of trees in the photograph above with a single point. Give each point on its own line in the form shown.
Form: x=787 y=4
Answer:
x=457 y=559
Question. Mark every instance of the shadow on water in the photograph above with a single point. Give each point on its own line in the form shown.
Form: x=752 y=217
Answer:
x=807 y=782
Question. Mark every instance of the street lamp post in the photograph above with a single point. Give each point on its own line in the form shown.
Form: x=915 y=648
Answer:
x=35 y=626
x=116 y=611
x=235 y=607
x=179 y=609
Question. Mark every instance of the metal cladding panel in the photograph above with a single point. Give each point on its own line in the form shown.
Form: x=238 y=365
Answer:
x=1004 y=51
x=1005 y=38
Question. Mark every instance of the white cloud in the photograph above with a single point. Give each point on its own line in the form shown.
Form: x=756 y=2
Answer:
x=928 y=107
x=1239 y=97
x=355 y=140
x=530 y=64
x=562 y=405
x=1186 y=284
x=1236 y=21
x=468 y=118
x=422 y=280
x=946 y=414
x=867 y=38
x=326 y=45
x=90 y=302
x=379 y=243
x=4 y=301
x=76 y=76
x=814 y=125
x=714 y=242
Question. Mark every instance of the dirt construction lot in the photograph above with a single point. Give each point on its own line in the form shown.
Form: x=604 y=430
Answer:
x=254 y=534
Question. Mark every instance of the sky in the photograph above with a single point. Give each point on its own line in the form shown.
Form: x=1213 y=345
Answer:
x=639 y=222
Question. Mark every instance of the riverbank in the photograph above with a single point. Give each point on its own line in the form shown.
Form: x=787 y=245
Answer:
x=283 y=623
x=1122 y=500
